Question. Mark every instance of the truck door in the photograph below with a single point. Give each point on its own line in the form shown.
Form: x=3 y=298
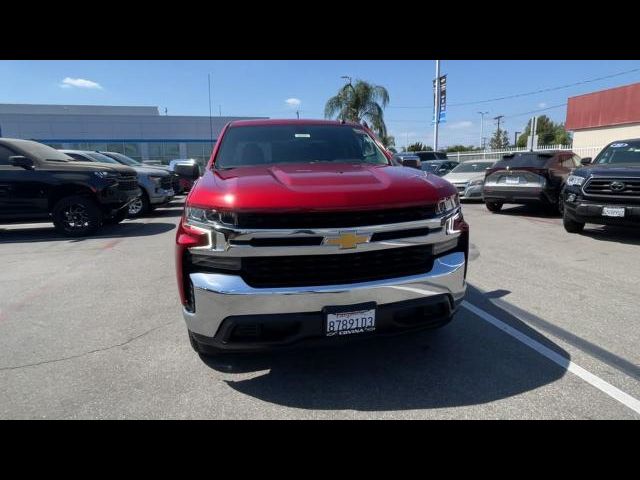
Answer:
x=22 y=193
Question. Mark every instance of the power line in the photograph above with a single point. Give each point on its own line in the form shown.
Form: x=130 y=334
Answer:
x=535 y=111
x=550 y=89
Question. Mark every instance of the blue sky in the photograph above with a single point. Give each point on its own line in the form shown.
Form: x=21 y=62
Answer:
x=263 y=87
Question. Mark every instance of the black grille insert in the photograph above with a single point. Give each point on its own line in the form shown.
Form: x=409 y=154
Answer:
x=127 y=182
x=620 y=187
x=309 y=270
x=334 y=219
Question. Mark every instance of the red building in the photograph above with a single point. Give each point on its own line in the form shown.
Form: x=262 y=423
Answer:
x=601 y=117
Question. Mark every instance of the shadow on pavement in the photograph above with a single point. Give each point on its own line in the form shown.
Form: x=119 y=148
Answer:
x=534 y=211
x=627 y=235
x=46 y=232
x=468 y=362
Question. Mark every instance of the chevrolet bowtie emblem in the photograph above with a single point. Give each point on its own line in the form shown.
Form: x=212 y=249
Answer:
x=346 y=240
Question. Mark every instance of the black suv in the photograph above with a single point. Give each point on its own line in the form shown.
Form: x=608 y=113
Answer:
x=529 y=178
x=38 y=182
x=605 y=191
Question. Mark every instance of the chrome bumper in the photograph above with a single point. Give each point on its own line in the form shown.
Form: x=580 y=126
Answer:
x=218 y=296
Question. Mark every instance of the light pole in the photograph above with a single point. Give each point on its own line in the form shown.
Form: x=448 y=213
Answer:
x=482 y=114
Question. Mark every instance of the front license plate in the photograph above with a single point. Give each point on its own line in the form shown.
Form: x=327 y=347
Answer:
x=513 y=180
x=613 y=212
x=349 y=322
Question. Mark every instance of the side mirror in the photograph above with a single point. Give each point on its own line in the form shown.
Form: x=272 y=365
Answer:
x=586 y=160
x=20 y=161
x=411 y=163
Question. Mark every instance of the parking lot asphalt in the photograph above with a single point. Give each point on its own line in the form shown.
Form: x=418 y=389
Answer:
x=92 y=328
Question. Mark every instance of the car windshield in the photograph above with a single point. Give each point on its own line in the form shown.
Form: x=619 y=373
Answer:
x=471 y=167
x=277 y=144
x=524 y=160
x=98 y=157
x=122 y=159
x=620 y=153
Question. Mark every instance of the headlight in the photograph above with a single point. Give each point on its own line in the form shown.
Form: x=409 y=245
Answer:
x=200 y=215
x=105 y=174
x=447 y=204
x=475 y=183
x=575 y=180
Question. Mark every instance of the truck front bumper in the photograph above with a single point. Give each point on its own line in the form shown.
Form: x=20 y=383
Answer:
x=225 y=304
x=589 y=211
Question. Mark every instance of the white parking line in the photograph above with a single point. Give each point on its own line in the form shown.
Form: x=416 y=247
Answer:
x=613 y=392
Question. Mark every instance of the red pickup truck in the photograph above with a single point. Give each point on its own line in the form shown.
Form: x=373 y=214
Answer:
x=304 y=230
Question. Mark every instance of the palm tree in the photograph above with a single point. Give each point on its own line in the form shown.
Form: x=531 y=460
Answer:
x=388 y=141
x=362 y=101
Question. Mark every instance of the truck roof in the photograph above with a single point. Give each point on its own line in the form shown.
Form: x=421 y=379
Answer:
x=288 y=121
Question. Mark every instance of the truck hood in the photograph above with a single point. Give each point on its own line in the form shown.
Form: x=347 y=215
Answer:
x=610 y=170
x=317 y=187
x=150 y=171
x=89 y=167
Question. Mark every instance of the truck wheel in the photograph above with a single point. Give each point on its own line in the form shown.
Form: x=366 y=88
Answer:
x=118 y=217
x=139 y=206
x=494 y=207
x=571 y=226
x=202 y=350
x=76 y=216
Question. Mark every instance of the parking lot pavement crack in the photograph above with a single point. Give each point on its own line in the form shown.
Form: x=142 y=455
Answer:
x=97 y=350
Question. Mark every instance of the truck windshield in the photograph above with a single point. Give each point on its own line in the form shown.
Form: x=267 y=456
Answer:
x=620 y=153
x=276 y=144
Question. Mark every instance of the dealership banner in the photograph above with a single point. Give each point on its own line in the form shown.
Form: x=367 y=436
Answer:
x=442 y=99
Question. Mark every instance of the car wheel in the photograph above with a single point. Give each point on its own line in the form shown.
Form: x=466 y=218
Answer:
x=76 y=216
x=118 y=217
x=494 y=207
x=139 y=206
x=572 y=226
x=201 y=349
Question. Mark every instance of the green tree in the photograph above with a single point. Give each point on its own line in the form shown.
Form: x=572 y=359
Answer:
x=418 y=147
x=460 y=148
x=358 y=102
x=549 y=133
x=499 y=140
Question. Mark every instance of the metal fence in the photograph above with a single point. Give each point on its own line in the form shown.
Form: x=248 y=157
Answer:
x=497 y=154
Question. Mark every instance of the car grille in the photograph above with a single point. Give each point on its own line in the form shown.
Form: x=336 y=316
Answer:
x=309 y=270
x=127 y=182
x=166 y=182
x=333 y=219
x=603 y=186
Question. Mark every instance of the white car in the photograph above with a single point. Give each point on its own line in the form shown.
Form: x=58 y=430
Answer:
x=468 y=178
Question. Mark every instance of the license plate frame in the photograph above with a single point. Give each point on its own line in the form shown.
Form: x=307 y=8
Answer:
x=353 y=312
x=615 y=212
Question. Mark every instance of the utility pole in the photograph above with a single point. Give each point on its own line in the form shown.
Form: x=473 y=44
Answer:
x=298 y=114
x=499 y=119
x=482 y=114
x=436 y=101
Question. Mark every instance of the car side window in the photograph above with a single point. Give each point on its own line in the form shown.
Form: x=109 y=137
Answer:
x=5 y=153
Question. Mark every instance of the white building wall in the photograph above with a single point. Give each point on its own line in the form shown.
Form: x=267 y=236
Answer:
x=601 y=136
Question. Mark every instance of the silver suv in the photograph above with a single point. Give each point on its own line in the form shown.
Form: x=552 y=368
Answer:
x=156 y=184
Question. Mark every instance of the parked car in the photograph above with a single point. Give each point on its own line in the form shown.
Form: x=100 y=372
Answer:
x=170 y=185
x=188 y=172
x=468 y=178
x=438 y=167
x=427 y=156
x=38 y=183
x=605 y=191
x=529 y=178
x=398 y=159
x=155 y=184
x=304 y=230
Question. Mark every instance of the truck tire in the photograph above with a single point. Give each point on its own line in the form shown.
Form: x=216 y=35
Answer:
x=76 y=216
x=494 y=207
x=118 y=217
x=140 y=206
x=572 y=226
